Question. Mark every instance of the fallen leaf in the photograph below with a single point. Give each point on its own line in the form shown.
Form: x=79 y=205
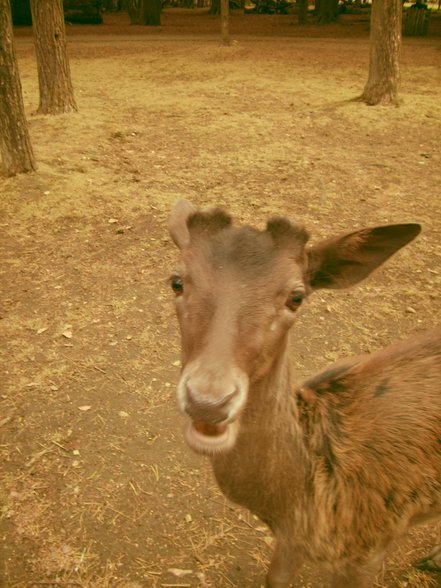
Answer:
x=85 y=407
x=123 y=414
x=67 y=334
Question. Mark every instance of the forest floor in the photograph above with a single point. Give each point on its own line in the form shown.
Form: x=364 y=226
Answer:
x=97 y=487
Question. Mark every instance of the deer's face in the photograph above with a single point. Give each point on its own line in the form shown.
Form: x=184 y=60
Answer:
x=237 y=292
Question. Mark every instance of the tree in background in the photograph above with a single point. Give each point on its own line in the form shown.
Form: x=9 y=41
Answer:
x=56 y=91
x=15 y=143
x=132 y=8
x=144 y=12
x=225 y=22
x=327 y=11
x=215 y=7
x=385 y=50
x=112 y=5
x=302 y=11
x=150 y=12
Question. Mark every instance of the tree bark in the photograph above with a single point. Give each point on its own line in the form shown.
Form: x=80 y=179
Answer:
x=302 y=6
x=150 y=12
x=327 y=11
x=56 y=91
x=15 y=144
x=132 y=8
x=112 y=5
x=225 y=22
x=385 y=49
x=215 y=7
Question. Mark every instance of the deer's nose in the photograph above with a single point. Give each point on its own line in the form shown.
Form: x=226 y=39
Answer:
x=208 y=406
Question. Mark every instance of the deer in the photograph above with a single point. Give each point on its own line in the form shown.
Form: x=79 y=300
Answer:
x=338 y=466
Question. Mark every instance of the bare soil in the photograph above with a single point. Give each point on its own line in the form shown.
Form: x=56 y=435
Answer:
x=97 y=488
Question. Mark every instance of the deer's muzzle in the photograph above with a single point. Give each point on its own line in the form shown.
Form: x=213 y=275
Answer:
x=213 y=403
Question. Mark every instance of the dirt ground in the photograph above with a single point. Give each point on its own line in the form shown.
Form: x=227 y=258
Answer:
x=97 y=487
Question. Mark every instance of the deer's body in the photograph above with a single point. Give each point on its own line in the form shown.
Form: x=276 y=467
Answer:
x=338 y=466
x=345 y=463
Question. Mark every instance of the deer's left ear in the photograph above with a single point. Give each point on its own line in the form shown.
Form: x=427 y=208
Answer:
x=345 y=260
x=177 y=223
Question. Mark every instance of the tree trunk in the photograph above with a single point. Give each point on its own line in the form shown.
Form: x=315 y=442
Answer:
x=132 y=7
x=302 y=11
x=215 y=7
x=56 y=91
x=112 y=5
x=385 y=49
x=150 y=12
x=225 y=22
x=327 y=11
x=15 y=143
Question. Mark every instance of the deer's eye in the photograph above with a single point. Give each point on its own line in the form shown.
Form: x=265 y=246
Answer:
x=177 y=285
x=294 y=300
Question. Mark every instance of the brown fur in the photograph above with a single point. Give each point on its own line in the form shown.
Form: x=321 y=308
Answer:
x=341 y=465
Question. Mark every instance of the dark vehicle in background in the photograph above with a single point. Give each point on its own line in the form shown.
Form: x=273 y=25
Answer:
x=75 y=11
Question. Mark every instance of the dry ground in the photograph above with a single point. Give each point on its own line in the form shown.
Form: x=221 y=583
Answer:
x=97 y=488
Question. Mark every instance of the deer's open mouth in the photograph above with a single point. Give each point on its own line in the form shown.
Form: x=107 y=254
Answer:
x=210 y=438
x=209 y=429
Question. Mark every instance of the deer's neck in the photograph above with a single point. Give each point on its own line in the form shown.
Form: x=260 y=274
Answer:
x=268 y=454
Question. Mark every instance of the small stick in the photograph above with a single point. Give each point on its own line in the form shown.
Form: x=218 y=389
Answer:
x=60 y=446
x=37 y=456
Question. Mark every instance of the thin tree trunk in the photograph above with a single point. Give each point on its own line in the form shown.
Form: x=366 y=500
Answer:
x=15 y=144
x=327 y=11
x=132 y=7
x=150 y=12
x=385 y=49
x=215 y=7
x=56 y=91
x=225 y=22
x=302 y=11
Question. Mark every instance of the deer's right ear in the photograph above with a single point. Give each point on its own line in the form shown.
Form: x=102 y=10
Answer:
x=177 y=223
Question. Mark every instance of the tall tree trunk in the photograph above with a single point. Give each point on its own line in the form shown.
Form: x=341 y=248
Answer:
x=132 y=7
x=385 y=50
x=56 y=91
x=327 y=11
x=15 y=143
x=225 y=22
x=150 y=12
x=215 y=7
x=302 y=11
